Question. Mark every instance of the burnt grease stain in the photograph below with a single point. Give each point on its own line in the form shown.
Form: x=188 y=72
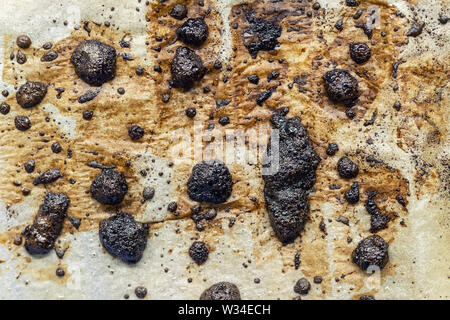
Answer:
x=109 y=187
x=94 y=62
x=221 y=291
x=286 y=189
x=261 y=34
x=123 y=237
x=40 y=237
x=371 y=252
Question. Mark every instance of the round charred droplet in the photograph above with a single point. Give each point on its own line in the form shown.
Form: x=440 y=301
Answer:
x=60 y=272
x=371 y=251
x=49 y=56
x=341 y=86
x=17 y=240
x=22 y=123
x=123 y=237
x=221 y=291
x=260 y=35
x=21 y=57
x=135 y=132
x=224 y=120
x=94 y=61
x=23 y=41
x=140 y=292
x=179 y=11
x=199 y=252
x=332 y=149
x=172 y=207
x=193 y=31
x=302 y=286
x=56 y=147
x=191 y=112
x=5 y=108
x=352 y=194
x=347 y=168
x=88 y=114
x=186 y=68
x=210 y=181
x=31 y=94
x=359 y=52
x=148 y=193
x=109 y=187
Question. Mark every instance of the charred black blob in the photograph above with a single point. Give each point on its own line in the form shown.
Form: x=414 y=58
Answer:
x=341 y=86
x=40 y=237
x=199 y=252
x=186 y=68
x=359 y=52
x=123 y=237
x=179 y=11
x=347 y=168
x=286 y=189
x=378 y=220
x=94 y=61
x=109 y=187
x=31 y=94
x=371 y=251
x=221 y=291
x=261 y=34
x=193 y=31
x=210 y=181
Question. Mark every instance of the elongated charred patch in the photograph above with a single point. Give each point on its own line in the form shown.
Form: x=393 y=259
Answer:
x=40 y=237
x=123 y=237
x=286 y=189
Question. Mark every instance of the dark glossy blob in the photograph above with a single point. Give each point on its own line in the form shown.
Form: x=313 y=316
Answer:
x=22 y=123
x=109 y=187
x=352 y=194
x=23 y=41
x=186 y=68
x=47 y=177
x=341 y=86
x=416 y=29
x=359 y=52
x=40 y=237
x=210 y=181
x=179 y=11
x=94 y=62
x=371 y=251
x=286 y=189
x=260 y=35
x=332 y=149
x=221 y=291
x=135 y=132
x=302 y=286
x=347 y=168
x=199 y=252
x=193 y=31
x=31 y=94
x=123 y=237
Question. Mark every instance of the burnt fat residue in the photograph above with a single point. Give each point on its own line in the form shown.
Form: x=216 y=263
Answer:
x=221 y=291
x=47 y=177
x=416 y=29
x=199 y=252
x=31 y=94
x=40 y=237
x=371 y=252
x=352 y=194
x=286 y=191
x=123 y=237
x=260 y=35
x=186 y=68
x=341 y=86
x=109 y=187
x=210 y=181
x=193 y=31
x=359 y=52
x=88 y=96
x=94 y=61
x=98 y=165
x=347 y=169
x=378 y=220
x=49 y=56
